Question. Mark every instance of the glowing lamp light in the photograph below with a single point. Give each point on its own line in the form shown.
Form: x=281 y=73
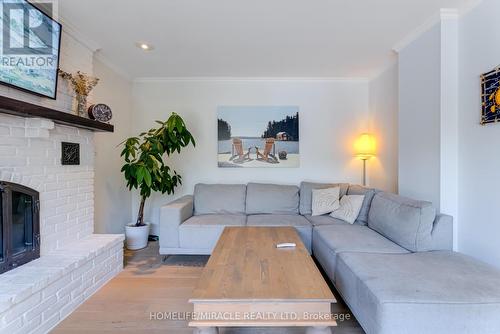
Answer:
x=365 y=146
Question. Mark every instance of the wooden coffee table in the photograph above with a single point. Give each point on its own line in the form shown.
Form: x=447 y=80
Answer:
x=248 y=282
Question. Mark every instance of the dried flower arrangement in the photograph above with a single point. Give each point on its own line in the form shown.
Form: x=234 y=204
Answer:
x=82 y=85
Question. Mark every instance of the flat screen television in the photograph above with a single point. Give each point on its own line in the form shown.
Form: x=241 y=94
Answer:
x=29 y=48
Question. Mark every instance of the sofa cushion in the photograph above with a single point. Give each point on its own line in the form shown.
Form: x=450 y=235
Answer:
x=331 y=240
x=306 y=194
x=405 y=221
x=350 y=206
x=272 y=199
x=219 y=199
x=277 y=220
x=302 y=225
x=203 y=231
x=325 y=200
x=368 y=193
x=428 y=292
x=323 y=220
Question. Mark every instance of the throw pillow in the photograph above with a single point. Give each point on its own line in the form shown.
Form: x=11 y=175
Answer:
x=350 y=206
x=325 y=200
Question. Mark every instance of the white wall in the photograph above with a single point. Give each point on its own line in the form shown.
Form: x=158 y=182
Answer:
x=332 y=114
x=382 y=170
x=112 y=198
x=449 y=132
x=469 y=182
x=419 y=117
x=479 y=159
x=428 y=119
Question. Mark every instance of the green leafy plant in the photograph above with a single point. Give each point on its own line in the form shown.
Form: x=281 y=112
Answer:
x=145 y=168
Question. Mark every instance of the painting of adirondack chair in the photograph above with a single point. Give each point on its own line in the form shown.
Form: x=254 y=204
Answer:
x=269 y=153
x=258 y=137
x=238 y=155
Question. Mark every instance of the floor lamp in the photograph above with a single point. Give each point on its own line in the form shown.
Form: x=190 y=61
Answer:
x=365 y=149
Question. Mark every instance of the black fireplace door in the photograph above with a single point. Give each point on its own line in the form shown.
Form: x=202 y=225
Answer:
x=19 y=225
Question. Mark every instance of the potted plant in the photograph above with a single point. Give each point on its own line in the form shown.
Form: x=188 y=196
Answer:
x=145 y=169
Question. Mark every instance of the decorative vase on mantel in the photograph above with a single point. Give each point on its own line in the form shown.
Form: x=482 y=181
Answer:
x=81 y=105
x=82 y=85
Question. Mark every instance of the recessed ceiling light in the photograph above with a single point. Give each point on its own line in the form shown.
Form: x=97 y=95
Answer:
x=144 y=46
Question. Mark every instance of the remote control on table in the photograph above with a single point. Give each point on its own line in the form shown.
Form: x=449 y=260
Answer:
x=286 y=245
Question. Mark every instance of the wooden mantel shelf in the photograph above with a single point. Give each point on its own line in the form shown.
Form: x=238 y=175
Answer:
x=25 y=109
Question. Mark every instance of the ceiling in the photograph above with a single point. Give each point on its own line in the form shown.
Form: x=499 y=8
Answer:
x=249 y=38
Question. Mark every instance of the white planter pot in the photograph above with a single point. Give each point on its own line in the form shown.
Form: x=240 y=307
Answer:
x=137 y=236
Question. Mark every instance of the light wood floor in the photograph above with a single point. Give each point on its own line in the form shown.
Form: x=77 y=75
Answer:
x=145 y=286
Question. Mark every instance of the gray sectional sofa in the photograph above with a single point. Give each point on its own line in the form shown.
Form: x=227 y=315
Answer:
x=394 y=266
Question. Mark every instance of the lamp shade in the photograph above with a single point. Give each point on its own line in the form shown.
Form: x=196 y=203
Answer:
x=365 y=146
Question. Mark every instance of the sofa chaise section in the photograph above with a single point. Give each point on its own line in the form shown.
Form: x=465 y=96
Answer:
x=386 y=271
x=425 y=292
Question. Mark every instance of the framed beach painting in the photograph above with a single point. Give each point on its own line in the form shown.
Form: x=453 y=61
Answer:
x=253 y=137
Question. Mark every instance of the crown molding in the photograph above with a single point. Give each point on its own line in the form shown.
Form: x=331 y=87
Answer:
x=98 y=55
x=449 y=14
x=71 y=30
x=468 y=7
x=443 y=14
x=393 y=61
x=250 y=79
x=417 y=32
x=93 y=46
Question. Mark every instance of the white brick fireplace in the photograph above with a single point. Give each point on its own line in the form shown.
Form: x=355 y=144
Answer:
x=74 y=262
x=30 y=155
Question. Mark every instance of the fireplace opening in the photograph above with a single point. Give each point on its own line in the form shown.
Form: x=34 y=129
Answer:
x=19 y=225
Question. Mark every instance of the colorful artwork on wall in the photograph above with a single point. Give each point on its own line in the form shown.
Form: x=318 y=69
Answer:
x=490 y=96
x=258 y=137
